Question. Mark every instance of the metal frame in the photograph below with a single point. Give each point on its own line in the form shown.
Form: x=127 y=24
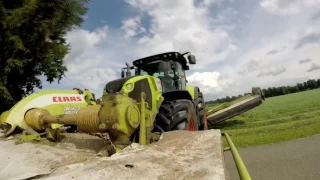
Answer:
x=242 y=170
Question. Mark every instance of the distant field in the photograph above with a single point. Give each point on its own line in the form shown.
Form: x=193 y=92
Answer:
x=278 y=119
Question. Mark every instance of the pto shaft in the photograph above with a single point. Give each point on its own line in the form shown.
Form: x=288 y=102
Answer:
x=40 y=119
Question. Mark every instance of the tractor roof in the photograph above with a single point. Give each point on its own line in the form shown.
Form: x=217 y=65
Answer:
x=175 y=56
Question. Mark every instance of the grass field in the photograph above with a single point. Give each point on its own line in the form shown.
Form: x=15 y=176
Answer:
x=278 y=119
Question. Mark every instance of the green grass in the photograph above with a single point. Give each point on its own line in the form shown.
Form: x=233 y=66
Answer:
x=277 y=120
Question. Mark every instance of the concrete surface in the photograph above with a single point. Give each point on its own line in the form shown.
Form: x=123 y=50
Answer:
x=178 y=155
x=295 y=160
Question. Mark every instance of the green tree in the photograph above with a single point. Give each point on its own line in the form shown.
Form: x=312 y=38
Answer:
x=312 y=83
x=306 y=86
x=301 y=87
x=32 y=41
x=294 y=89
x=270 y=92
x=266 y=93
x=283 y=90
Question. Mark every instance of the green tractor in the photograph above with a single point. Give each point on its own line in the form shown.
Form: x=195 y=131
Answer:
x=183 y=105
x=135 y=108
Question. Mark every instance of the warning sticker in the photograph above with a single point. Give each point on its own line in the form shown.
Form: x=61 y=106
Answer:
x=71 y=110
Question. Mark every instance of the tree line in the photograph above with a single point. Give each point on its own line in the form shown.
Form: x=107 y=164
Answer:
x=275 y=91
x=282 y=90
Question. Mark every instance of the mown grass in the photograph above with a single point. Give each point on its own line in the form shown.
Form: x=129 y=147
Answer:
x=277 y=120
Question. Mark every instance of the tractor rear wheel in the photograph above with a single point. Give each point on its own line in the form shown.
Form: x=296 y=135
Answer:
x=202 y=112
x=176 y=115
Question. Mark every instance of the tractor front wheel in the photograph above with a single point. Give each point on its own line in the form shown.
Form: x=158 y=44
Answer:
x=176 y=115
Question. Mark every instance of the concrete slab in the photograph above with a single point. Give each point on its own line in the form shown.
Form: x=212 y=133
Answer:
x=178 y=155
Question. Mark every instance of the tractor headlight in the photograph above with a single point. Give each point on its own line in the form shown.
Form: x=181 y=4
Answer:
x=129 y=87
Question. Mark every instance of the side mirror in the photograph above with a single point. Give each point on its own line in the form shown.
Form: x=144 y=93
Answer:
x=192 y=59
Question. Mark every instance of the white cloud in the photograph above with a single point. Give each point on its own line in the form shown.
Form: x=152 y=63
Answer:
x=210 y=2
x=288 y=7
x=303 y=61
x=251 y=66
x=83 y=40
x=211 y=83
x=132 y=26
x=88 y=73
x=83 y=61
x=236 y=47
x=180 y=25
x=272 y=71
x=207 y=81
x=314 y=67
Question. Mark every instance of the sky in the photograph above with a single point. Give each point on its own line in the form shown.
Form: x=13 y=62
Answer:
x=238 y=44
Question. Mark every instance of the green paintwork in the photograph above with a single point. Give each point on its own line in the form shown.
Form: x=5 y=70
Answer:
x=88 y=97
x=104 y=91
x=242 y=170
x=147 y=112
x=4 y=116
x=16 y=114
x=118 y=118
x=30 y=137
x=190 y=89
x=124 y=114
x=156 y=93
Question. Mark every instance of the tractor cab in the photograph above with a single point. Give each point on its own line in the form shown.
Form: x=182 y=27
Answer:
x=168 y=67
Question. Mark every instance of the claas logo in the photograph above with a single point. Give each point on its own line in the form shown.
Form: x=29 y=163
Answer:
x=66 y=99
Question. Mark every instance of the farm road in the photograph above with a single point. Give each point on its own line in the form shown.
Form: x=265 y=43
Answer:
x=294 y=160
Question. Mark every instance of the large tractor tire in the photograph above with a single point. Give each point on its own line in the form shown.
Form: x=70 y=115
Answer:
x=176 y=115
x=201 y=112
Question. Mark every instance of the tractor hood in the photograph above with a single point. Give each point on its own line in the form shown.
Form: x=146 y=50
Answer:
x=116 y=85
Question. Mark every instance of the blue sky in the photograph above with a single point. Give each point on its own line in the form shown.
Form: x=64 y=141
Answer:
x=238 y=44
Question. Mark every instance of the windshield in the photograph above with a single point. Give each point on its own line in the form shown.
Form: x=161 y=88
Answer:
x=157 y=69
x=162 y=70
